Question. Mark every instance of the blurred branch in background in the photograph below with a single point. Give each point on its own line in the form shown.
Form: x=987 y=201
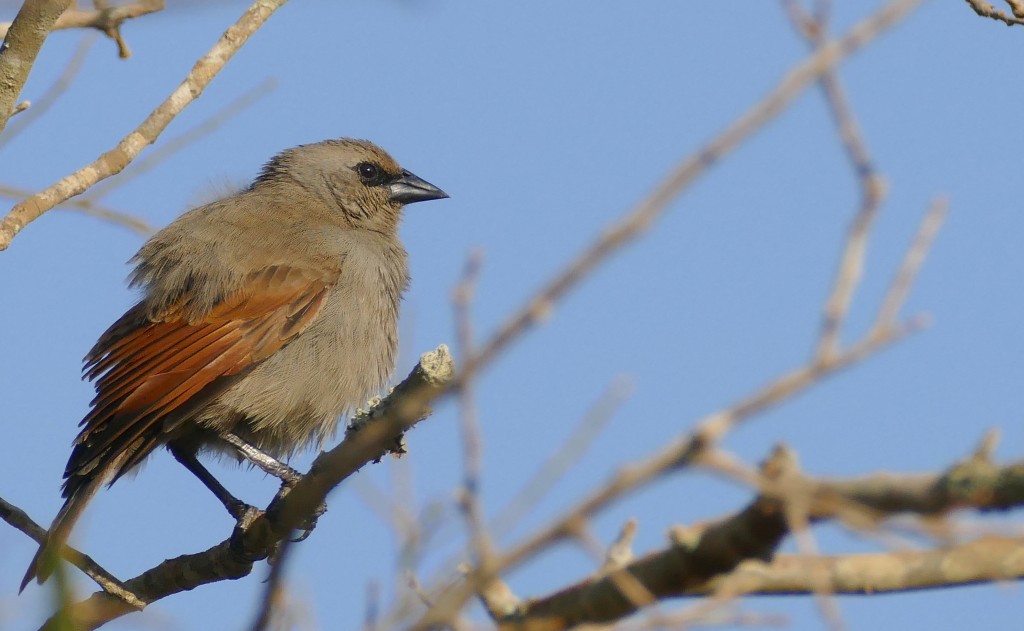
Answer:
x=184 y=140
x=734 y=556
x=125 y=220
x=17 y=518
x=718 y=560
x=43 y=104
x=90 y=203
x=643 y=216
x=681 y=452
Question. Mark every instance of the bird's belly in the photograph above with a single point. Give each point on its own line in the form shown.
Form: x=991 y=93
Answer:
x=296 y=397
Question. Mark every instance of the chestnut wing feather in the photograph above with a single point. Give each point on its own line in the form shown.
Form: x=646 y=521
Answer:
x=150 y=373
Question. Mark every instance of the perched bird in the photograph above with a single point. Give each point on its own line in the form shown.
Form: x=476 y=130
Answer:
x=264 y=317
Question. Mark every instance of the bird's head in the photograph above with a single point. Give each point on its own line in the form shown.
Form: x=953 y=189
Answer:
x=358 y=179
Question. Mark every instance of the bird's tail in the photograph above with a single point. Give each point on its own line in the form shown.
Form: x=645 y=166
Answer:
x=49 y=551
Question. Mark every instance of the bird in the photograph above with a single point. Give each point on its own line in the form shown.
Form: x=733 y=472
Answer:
x=264 y=318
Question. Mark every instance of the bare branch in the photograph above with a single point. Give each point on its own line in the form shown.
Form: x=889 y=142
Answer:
x=370 y=437
x=731 y=557
x=88 y=207
x=647 y=211
x=115 y=160
x=684 y=450
x=18 y=51
x=564 y=456
x=469 y=417
x=20 y=520
x=985 y=560
x=905 y=276
x=678 y=454
x=796 y=502
x=872 y=186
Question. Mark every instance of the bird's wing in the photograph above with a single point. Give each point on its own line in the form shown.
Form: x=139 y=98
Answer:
x=152 y=371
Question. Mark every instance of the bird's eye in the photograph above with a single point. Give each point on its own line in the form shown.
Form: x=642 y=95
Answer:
x=370 y=173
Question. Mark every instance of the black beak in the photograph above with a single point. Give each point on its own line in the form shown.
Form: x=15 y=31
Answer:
x=409 y=189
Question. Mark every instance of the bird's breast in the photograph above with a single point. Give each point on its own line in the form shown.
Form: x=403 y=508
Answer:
x=297 y=395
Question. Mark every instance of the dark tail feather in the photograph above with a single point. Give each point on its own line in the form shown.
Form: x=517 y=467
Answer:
x=49 y=551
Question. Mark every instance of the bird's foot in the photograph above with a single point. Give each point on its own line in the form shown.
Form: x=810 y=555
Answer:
x=245 y=519
x=307 y=526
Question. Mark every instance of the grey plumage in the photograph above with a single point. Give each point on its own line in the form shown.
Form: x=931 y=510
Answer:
x=267 y=314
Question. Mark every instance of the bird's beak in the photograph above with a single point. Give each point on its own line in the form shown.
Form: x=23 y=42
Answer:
x=409 y=189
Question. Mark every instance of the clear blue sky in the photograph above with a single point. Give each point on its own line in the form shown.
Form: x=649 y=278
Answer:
x=545 y=121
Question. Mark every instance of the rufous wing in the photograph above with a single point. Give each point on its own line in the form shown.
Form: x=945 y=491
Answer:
x=151 y=371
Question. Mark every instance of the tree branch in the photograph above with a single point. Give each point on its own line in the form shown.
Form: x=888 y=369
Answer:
x=89 y=207
x=20 y=520
x=116 y=159
x=641 y=217
x=685 y=449
x=984 y=560
x=731 y=557
x=20 y=47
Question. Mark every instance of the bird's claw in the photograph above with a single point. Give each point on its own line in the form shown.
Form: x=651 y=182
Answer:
x=310 y=524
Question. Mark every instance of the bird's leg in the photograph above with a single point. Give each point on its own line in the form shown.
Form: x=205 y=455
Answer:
x=235 y=506
x=264 y=461
x=289 y=477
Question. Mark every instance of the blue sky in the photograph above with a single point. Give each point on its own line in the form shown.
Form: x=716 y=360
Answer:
x=546 y=121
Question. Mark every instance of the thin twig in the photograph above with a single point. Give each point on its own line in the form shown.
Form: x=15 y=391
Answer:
x=647 y=211
x=372 y=613
x=681 y=452
x=107 y=581
x=907 y=274
x=469 y=417
x=814 y=28
x=564 y=456
x=24 y=106
x=857 y=518
x=561 y=460
x=851 y=267
x=87 y=207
